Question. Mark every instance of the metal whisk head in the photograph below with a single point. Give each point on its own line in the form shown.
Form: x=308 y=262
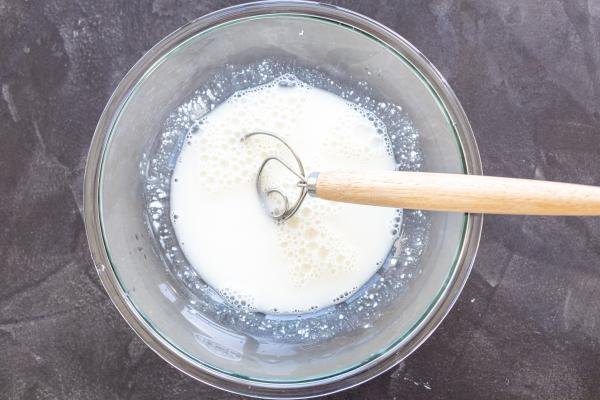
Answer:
x=289 y=209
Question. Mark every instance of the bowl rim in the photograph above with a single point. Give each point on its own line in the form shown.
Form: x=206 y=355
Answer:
x=183 y=362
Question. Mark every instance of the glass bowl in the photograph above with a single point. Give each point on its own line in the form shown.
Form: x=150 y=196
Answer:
x=185 y=321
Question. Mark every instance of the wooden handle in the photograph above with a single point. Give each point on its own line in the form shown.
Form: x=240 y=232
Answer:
x=460 y=193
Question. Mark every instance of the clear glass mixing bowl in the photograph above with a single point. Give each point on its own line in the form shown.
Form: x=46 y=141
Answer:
x=188 y=329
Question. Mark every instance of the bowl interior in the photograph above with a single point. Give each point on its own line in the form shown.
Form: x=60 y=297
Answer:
x=186 y=322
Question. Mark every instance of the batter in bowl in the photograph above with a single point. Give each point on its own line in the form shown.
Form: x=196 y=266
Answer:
x=325 y=252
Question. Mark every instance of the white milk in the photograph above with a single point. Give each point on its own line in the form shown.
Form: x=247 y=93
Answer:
x=321 y=255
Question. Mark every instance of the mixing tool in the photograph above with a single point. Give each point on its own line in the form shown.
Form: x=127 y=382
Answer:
x=429 y=191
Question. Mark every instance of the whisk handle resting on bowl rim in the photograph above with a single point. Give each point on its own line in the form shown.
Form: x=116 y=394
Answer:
x=455 y=192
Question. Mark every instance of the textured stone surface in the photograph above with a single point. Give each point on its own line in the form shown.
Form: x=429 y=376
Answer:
x=528 y=323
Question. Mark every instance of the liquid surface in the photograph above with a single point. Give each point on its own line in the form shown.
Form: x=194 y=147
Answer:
x=325 y=252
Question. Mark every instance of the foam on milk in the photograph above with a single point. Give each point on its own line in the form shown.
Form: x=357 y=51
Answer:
x=327 y=250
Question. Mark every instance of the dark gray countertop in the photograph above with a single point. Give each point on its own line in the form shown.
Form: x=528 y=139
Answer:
x=528 y=323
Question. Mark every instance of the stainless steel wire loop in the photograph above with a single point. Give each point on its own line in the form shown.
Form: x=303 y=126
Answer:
x=288 y=210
